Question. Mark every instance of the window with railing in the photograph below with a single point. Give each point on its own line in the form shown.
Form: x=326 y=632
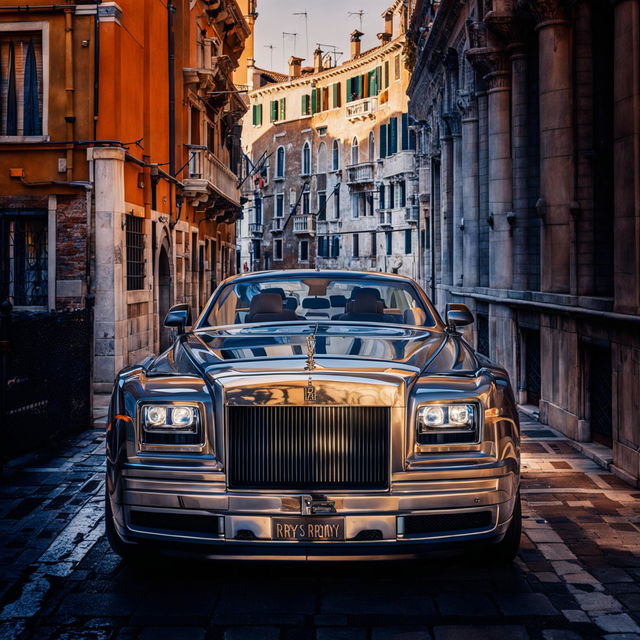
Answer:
x=24 y=258
x=135 y=253
x=21 y=84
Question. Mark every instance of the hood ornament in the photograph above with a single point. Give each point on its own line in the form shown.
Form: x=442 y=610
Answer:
x=311 y=347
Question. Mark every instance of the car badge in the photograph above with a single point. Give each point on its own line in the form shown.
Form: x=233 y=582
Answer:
x=310 y=392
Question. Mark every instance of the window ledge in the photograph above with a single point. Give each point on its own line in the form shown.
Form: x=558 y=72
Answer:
x=23 y=139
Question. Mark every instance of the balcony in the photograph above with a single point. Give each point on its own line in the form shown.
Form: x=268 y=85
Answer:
x=304 y=224
x=360 y=173
x=277 y=225
x=208 y=180
x=385 y=220
x=256 y=229
x=362 y=109
x=412 y=213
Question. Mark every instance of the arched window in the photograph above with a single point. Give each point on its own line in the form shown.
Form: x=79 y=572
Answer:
x=280 y=162
x=372 y=147
x=335 y=155
x=306 y=159
x=322 y=158
x=355 y=152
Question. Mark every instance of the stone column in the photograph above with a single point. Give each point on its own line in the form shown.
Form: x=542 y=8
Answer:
x=493 y=63
x=453 y=121
x=110 y=314
x=470 y=188
x=520 y=146
x=626 y=154
x=556 y=143
x=446 y=209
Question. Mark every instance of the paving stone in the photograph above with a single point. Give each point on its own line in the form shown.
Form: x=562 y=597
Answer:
x=252 y=633
x=599 y=602
x=96 y=604
x=172 y=633
x=575 y=615
x=466 y=605
x=493 y=632
x=617 y=623
x=552 y=551
x=400 y=633
x=525 y=604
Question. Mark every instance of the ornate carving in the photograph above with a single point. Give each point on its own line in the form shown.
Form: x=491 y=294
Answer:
x=476 y=34
x=452 y=122
x=547 y=10
x=468 y=105
x=492 y=64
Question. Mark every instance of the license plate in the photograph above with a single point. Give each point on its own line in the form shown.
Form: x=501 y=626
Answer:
x=307 y=528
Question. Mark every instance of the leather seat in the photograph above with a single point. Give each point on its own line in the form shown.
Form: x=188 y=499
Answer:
x=268 y=307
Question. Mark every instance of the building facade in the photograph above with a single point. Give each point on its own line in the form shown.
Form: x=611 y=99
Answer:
x=527 y=118
x=119 y=123
x=330 y=171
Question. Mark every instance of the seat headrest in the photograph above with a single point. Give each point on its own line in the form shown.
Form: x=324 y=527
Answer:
x=338 y=301
x=291 y=303
x=364 y=303
x=415 y=316
x=265 y=303
x=371 y=291
x=315 y=303
x=278 y=290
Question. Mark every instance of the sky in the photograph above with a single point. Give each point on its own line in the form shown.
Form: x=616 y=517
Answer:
x=328 y=22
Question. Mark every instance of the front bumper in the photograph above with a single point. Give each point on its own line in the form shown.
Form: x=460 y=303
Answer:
x=182 y=513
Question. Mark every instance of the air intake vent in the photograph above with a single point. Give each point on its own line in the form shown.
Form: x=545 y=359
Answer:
x=440 y=522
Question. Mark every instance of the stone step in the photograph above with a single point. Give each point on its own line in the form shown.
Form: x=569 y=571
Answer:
x=101 y=400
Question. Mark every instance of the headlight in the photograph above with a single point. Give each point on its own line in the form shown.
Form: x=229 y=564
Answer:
x=447 y=423
x=170 y=419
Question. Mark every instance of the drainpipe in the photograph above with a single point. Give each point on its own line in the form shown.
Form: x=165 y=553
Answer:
x=69 y=117
x=172 y=102
x=96 y=69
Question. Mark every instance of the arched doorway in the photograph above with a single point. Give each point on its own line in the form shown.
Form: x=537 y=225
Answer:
x=164 y=295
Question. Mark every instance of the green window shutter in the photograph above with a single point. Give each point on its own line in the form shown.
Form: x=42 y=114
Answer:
x=314 y=101
x=274 y=110
x=386 y=74
x=336 y=94
x=379 y=78
x=283 y=108
x=407 y=241
x=363 y=86
x=259 y=114
x=255 y=114
x=393 y=135
x=383 y=141
x=405 y=131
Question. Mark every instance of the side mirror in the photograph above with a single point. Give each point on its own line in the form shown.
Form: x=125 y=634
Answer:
x=458 y=315
x=179 y=316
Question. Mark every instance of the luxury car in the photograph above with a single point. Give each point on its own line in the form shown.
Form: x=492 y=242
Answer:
x=314 y=415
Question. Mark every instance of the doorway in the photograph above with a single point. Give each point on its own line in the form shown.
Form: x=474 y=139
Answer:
x=600 y=393
x=164 y=296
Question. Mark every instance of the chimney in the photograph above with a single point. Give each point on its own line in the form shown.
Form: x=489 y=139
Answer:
x=355 y=43
x=317 y=60
x=295 y=66
x=384 y=37
x=388 y=24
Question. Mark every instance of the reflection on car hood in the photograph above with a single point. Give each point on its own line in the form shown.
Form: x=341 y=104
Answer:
x=338 y=346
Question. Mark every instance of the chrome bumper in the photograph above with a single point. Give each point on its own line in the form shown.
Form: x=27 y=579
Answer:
x=234 y=516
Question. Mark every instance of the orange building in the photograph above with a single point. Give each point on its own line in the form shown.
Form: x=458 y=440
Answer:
x=119 y=130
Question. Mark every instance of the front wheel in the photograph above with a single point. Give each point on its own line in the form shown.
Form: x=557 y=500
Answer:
x=506 y=550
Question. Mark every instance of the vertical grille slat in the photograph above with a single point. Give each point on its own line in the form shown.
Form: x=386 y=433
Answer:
x=308 y=447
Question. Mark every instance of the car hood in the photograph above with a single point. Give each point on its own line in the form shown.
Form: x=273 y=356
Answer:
x=338 y=347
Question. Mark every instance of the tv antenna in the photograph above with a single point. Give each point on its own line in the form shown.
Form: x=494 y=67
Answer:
x=360 y=14
x=271 y=48
x=334 y=51
x=295 y=36
x=306 y=29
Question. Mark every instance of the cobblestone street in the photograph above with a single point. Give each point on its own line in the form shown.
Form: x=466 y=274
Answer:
x=577 y=576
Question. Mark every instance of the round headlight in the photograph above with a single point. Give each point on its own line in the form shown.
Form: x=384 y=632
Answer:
x=433 y=416
x=182 y=416
x=156 y=416
x=459 y=414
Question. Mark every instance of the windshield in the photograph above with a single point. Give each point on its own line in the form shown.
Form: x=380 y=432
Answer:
x=292 y=299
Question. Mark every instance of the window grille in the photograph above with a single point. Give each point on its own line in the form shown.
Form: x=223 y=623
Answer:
x=24 y=259
x=135 y=253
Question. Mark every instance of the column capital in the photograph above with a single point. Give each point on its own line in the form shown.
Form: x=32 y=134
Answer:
x=468 y=105
x=452 y=120
x=547 y=11
x=493 y=64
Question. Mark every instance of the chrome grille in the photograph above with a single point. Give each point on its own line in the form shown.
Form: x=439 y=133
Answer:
x=308 y=447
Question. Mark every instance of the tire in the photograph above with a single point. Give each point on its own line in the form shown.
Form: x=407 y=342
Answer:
x=506 y=550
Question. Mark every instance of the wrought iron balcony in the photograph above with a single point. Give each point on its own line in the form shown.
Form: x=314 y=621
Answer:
x=362 y=109
x=208 y=179
x=412 y=213
x=256 y=228
x=361 y=173
x=385 y=219
x=304 y=224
